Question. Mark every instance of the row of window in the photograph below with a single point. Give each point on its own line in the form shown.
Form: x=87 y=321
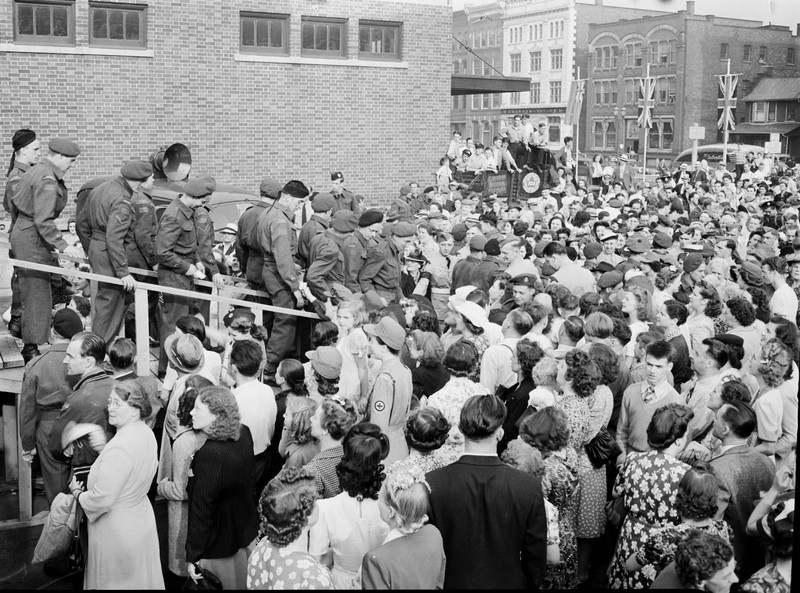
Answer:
x=486 y=67
x=535 y=61
x=606 y=91
x=475 y=39
x=661 y=53
x=536 y=31
x=536 y=96
x=777 y=111
x=125 y=25
x=747 y=53
x=604 y=133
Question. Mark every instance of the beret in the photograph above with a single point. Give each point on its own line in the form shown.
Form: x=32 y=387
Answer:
x=662 y=240
x=488 y=217
x=403 y=229
x=296 y=189
x=337 y=176
x=326 y=360
x=269 y=188
x=136 y=170
x=604 y=267
x=64 y=147
x=67 y=323
x=638 y=244
x=405 y=190
x=548 y=270
x=492 y=247
x=692 y=262
x=22 y=138
x=477 y=243
x=428 y=189
x=520 y=227
x=524 y=280
x=615 y=203
x=344 y=221
x=592 y=250
x=459 y=231
x=538 y=249
x=369 y=217
x=200 y=187
x=610 y=279
x=323 y=202
x=752 y=272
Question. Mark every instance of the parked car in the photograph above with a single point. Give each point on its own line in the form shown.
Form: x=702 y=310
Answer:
x=712 y=153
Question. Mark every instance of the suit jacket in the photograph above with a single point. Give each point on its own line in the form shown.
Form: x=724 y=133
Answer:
x=745 y=473
x=492 y=520
x=625 y=178
x=388 y=567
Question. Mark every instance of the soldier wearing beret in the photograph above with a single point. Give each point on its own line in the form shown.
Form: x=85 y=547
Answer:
x=400 y=209
x=382 y=270
x=323 y=207
x=179 y=253
x=343 y=199
x=486 y=272
x=103 y=228
x=278 y=246
x=326 y=254
x=356 y=246
x=40 y=197
x=27 y=152
x=205 y=242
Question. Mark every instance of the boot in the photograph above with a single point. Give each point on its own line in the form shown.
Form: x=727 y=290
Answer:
x=29 y=351
x=14 y=326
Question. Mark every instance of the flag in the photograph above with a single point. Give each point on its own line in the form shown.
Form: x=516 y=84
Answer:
x=576 y=91
x=726 y=103
x=647 y=100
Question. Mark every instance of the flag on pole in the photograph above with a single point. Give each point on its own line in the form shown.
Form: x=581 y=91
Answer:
x=647 y=100
x=576 y=91
x=726 y=103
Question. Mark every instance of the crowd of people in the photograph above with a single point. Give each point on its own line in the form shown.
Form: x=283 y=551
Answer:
x=595 y=387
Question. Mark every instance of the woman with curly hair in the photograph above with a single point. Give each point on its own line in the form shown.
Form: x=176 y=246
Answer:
x=703 y=562
x=412 y=555
x=636 y=305
x=427 y=373
x=461 y=361
x=544 y=374
x=222 y=491
x=350 y=523
x=297 y=444
x=648 y=483
x=526 y=355
x=325 y=333
x=352 y=344
x=774 y=425
x=281 y=559
x=329 y=425
x=697 y=504
x=667 y=282
x=242 y=327
x=292 y=395
x=426 y=431
x=704 y=307
x=172 y=480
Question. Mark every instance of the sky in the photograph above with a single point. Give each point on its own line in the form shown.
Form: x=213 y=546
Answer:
x=784 y=12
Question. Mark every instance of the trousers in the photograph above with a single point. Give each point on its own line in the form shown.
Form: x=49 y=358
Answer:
x=174 y=308
x=108 y=300
x=55 y=473
x=284 y=327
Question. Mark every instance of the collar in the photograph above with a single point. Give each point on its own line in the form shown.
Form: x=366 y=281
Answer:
x=320 y=221
x=95 y=375
x=56 y=171
x=480 y=459
x=184 y=209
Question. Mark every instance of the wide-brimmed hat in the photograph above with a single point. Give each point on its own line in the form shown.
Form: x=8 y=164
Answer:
x=472 y=312
x=185 y=352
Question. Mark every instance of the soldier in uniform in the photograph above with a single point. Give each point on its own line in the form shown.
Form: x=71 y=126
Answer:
x=205 y=250
x=103 y=228
x=141 y=252
x=356 y=245
x=27 y=152
x=39 y=200
x=343 y=199
x=400 y=209
x=319 y=222
x=326 y=256
x=179 y=254
x=278 y=246
x=382 y=270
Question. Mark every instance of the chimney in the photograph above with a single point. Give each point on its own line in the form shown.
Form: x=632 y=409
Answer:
x=690 y=7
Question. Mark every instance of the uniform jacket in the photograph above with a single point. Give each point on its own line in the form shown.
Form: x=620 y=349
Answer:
x=248 y=249
x=354 y=249
x=311 y=229
x=382 y=270
x=103 y=225
x=204 y=228
x=485 y=273
x=345 y=201
x=142 y=232
x=44 y=387
x=177 y=240
x=327 y=264
x=12 y=182
x=389 y=404
x=278 y=242
x=40 y=198
x=492 y=520
x=400 y=209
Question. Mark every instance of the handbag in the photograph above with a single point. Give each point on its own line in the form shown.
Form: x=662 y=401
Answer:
x=616 y=511
x=208 y=582
x=58 y=531
x=602 y=449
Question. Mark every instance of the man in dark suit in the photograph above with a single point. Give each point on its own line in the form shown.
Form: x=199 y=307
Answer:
x=491 y=516
x=745 y=474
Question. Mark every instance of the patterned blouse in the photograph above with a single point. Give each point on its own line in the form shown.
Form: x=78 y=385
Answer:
x=766 y=580
x=449 y=400
x=274 y=568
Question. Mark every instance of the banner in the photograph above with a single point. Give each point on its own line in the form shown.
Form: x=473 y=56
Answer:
x=647 y=100
x=726 y=103
x=576 y=92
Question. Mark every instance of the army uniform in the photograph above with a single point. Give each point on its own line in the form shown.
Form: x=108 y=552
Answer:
x=205 y=243
x=12 y=181
x=400 y=210
x=40 y=198
x=486 y=272
x=462 y=272
x=354 y=249
x=278 y=241
x=345 y=201
x=248 y=248
x=382 y=271
x=327 y=264
x=103 y=229
x=311 y=229
x=141 y=252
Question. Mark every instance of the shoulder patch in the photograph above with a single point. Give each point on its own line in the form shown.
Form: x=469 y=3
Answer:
x=380 y=406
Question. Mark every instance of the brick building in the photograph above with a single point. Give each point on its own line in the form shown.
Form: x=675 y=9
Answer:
x=772 y=108
x=288 y=88
x=686 y=52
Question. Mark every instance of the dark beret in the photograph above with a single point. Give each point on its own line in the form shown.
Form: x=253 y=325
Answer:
x=638 y=244
x=269 y=188
x=337 y=176
x=405 y=190
x=64 y=147
x=604 y=267
x=592 y=250
x=22 y=138
x=404 y=229
x=610 y=279
x=296 y=189
x=490 y=217
x=369 y=217
x=692 y=262
x=344 y=221
x=662 y=241
x=459 y=231
x=428 y=189
x=67 y=323
x=200 y=187
x=520 y=227
x=136 y=170
x=492 y=247
x=323 y=202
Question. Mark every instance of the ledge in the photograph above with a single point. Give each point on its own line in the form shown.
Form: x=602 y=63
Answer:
x=79 y=50
x=268 y=59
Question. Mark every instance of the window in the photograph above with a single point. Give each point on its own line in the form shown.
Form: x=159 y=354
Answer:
x=486 y=100
x=723 y=51
x=597 y=134
x=614 y=89
x=456 y=67
x=487 y=69
x=660 y=135
x=476 y=67
x=611 y=134
x=476 y=101
x=515 y=98
x=117 y=25
x=598 y=58
x=50 y=23
x=747 y=53
x=492 y=36
x=630 y=92
x=455 y=102
x=484 y=38
x=771 y=106
x=556 y=29
x=671 y=52
x=538 y=31
x=266 y=33
x=323 y=37
x=653 y=53
x=516 y=63
x=536 y=61
x=530 y=32
x=554 y=127
x=555 y=92
x=598 y=93
x=606 y=92
x=653 y=139
x=379 y=40
x=556 y=59
x=536 y=93
x=762 y=54
x=790 y=56
x=496 y=100
x=759 y=111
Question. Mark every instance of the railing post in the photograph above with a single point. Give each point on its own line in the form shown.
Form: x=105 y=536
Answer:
x=142 y=331
x=24 y=478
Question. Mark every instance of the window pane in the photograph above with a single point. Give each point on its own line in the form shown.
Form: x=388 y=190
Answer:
x=248 y=32
x=335 y=38
x=60 y=21
x=25 y=20
x=308 y=36
x=666 y=138
x=389 y=45
x=43 y=20
x=276 y=34
x=100 y=24
x=363 y=40
x=262 y=33
x=116 y=25
x=132 y=25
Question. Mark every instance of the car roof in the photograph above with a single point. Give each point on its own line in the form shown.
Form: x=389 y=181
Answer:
x=686 y=155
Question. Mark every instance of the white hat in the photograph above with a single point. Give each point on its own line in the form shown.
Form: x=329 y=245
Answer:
x=473 y=312
x=231 y=228
x=624 y=158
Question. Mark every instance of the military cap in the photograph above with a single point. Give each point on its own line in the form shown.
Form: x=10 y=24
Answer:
x=692 y=262
x=604 y=267
x=477 y=243
x=592 y=250
x=520 y=227
x=608 y=235
x=344 y=221
x=404 y=229
x=296 y=189
x=662 y=241
x=323 y=202
x=21 y=139
x=67 y=323
x=492 y=247
x=136 y=170
x=524 y=280
x=64 y=147
x=638 y=244
x=269 y=188
x=389 y=331
x=337 y=176
x=369 y=217
x=405 y=190
x=326 y=360
x=610 y=279
x=473 y=219
x=200 y=187
x=428 y=189
x=459 y=231
x=490 y=217
x=231 y=229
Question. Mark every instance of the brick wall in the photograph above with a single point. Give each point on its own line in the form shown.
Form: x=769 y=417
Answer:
x=242 y=121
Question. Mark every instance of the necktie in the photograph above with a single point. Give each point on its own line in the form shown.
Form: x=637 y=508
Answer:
x=649 y=394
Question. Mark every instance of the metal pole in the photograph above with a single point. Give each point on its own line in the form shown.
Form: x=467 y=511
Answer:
x=725 y=131
x=694 y=147
x=577 y=131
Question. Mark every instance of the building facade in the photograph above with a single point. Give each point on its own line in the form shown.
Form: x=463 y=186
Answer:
x=685 y=53
x=770 y=111
x=287 y=89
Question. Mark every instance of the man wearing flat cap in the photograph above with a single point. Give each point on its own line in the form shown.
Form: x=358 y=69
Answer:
x=40 y=198
x=343 y=199
x=320 y=221
x=278 y=242
x=102 y=227
x=27 y=152
x=356 y=245
x=181 y=245
x=382 y=270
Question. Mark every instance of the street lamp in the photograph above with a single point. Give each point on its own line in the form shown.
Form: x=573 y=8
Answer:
x=619 y=114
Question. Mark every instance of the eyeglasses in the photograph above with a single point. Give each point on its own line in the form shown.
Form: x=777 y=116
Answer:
x=113 y=403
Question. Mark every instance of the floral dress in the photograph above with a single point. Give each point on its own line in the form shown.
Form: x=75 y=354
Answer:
x=559 y=485
x=481 y=343
x=649 y=484
x=449 y=400
x=273 y=568
x=766 y=580
x=416 y=461
x=593 y=491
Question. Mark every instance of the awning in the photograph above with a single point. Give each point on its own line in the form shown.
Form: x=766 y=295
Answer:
x=765 y=129
x=775 y=89
x=468 y=84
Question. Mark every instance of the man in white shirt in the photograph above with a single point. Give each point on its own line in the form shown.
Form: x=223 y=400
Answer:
x=256 y=401
x=496 y=361
x=784 y=301
x=578 y=279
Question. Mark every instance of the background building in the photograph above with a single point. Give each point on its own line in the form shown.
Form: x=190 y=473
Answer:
x=288 y=88
x=772 y=108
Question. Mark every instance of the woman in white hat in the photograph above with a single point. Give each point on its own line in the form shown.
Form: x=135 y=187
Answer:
x=471 y=322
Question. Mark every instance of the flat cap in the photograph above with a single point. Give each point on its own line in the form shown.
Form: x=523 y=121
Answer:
x=524 y=280
x=405 y=190
x=296 y=189
x=404 y=229
x=459 y=231
x=323 y=202
x=200 y=187
x=638 y=244
x=492 y=247
x=692 y=262
x=369 y=217
x=610 y=279
x=269 y=188
x=592 y=250
x=662 y=241
x=337 y=176
x=327 y=361
x=477 y=243
x=67 y=323
x=344 y=221
x=64 y=147
x=136 y=170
